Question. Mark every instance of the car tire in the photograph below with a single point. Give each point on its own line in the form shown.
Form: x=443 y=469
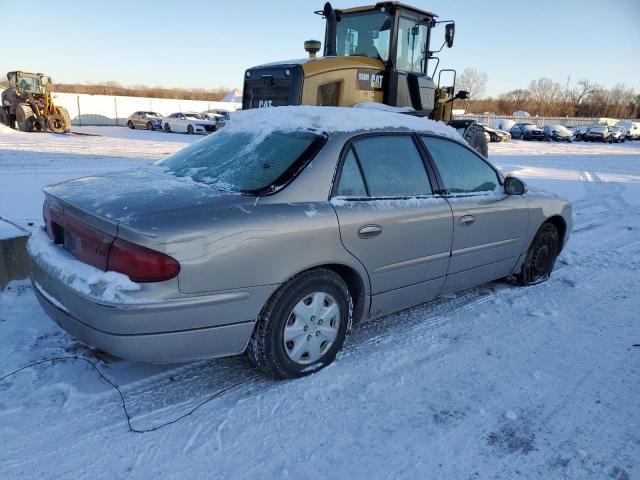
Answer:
x=166 y=128
x=314 y=339
x=190 y=129
x=130 y=125
x=149 y=126
x=541 y=256
x=475 y=137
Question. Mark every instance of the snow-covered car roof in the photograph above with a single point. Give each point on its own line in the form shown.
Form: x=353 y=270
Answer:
x=262 y=121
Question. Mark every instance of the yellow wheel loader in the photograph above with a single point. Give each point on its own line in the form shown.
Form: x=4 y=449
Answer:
x=378 y=53
x=27 y=105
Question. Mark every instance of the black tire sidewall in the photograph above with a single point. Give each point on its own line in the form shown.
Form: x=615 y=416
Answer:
x=280 y=364
x=189 y=129
x=545 y=230
x=149 y=126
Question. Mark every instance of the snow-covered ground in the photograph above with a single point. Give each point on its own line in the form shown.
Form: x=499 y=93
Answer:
x=494 y=382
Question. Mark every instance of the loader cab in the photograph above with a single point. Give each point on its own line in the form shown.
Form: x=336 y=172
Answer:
x=25 y=82
x=399 y=36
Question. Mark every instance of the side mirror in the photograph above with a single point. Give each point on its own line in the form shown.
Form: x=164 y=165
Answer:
x=449 y=33
x=514 y=186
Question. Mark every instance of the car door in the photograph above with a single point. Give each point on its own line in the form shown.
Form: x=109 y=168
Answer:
x=489 y=226
x=392 y=221
x=142 y=120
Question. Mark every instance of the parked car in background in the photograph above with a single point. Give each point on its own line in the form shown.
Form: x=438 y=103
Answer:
x=222 y=121
x=597 y=133
x=618 y=134
x=558 y=133
x=188 y=122
x=495 y=134
x=578 y=131
x=148 y=120
x=632 y=129
x=527 y=131
x=221 y=116
x=334 y=215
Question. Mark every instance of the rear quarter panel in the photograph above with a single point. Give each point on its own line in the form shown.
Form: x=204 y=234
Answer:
x=245 y=246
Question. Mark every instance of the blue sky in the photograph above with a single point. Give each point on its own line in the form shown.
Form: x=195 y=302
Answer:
x=210 y=43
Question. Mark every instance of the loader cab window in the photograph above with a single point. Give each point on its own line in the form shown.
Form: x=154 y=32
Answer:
x=365 y=34
x=412 y=46
x=29 y=84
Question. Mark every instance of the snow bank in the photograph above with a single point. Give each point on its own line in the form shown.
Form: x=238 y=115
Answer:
x=82 y=278
x=9 y=230
x=263 y=121
x=5 y=129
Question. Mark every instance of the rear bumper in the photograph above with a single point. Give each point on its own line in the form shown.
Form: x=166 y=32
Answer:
x=157 y=330
x=167 y=347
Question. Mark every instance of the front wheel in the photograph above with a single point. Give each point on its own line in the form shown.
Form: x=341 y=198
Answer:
x=541 y=256
x=475 y=137
x=190 y=129
x=303 y=326
x=130 y=125
x=149 y=126
x=166 y=128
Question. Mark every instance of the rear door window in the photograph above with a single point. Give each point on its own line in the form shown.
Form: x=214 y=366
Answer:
x=392 y=166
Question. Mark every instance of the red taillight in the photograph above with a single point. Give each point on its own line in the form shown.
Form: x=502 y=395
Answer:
x=106 y=252
x=141 y=264
x=48 y=225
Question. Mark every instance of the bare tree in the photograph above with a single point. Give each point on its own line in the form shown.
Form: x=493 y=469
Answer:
x=514 y=100
x=545 y=96
x=474 y=82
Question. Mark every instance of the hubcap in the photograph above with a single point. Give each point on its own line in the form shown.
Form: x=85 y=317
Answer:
x=311 y=328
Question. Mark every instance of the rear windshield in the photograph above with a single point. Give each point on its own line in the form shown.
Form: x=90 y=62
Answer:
x=244 y=162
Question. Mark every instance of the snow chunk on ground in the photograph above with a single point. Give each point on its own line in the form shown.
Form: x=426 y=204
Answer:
x=80 y=277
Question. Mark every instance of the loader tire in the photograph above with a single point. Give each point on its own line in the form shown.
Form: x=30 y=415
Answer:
x=4 y=117
x=56 y=124
x=67 y=118
x=474 y=135
x=25 y=118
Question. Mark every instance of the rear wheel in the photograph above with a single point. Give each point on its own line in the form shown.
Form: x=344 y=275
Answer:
x=167 y=128
x=189 y=129
x=541 y=256
x=25 y=118
x=130 y=125
x=475 y=136
x=4 y=117
x=303 y=326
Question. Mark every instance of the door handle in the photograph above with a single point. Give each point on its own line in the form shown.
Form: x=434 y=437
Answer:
x=369 y=231
x=467 y=220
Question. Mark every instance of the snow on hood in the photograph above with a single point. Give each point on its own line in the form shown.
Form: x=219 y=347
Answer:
x=263 y=121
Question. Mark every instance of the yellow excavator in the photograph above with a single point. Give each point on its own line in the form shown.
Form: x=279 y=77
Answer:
x=27 y=104
x=377 y=53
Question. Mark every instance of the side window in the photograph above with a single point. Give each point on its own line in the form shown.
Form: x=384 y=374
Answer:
x=462 y=171
x=351 y=183
x=392 y=166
